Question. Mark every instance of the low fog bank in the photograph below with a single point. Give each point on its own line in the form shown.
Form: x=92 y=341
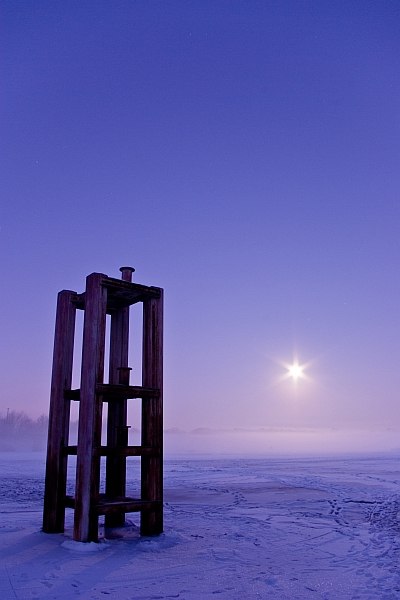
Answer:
x=279 y=442
x=18 y=432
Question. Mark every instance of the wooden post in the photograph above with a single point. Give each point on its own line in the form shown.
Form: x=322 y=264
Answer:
x=90 y=414
x=152 y=415
x=56 y=465
x=117 y=409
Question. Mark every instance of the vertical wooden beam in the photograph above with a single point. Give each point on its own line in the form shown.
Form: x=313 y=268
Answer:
x=117 y=413
x=56 y=464
x=152 y=414
x=90 y=413
x=117 y=410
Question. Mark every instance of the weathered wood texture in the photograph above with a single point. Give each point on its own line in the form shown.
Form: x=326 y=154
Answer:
x=152 y=415
x=112 y=393
x=105 y=506
x=90 y=413
x=120 y=451
x=56 y=464
x=104 y=296
x=122 y=294
x=117 y=410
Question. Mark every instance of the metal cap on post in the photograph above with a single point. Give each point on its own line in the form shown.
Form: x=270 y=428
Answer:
x=127 y=273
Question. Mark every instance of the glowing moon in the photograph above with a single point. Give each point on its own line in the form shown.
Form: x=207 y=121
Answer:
x=295 y=371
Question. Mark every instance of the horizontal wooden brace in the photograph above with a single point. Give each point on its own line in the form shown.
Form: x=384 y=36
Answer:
x=123 y=451
x=79 y=301
x=121 y=294
x=135 y=289
x=110 y=392
x=107 y=506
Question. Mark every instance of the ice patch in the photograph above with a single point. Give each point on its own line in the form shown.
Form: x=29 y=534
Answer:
x=161 y=542
x=129 y=531
x=85 y=546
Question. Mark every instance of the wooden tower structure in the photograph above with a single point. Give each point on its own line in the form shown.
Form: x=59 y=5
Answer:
x=105 y=296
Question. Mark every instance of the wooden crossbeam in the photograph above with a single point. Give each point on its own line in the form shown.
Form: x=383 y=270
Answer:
x=121 y=294
x=107 y=506
x=110 y=392
x=124 y=451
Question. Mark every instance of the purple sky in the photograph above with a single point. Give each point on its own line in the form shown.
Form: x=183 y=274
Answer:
x=244 y=155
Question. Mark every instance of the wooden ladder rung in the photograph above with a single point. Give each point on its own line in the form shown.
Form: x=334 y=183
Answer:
x=114 y=392
x=117 y=391
x=124 y=451
x=108 y=506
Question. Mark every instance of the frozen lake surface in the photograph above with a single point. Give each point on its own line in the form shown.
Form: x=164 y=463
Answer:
x=274 y=528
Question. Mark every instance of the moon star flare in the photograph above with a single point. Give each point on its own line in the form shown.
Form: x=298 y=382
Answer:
x=295 y=371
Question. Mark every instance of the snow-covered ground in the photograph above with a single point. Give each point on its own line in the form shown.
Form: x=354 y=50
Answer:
x=273 y=528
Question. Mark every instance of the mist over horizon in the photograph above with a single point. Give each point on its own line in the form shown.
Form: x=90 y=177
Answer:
x=19 y=433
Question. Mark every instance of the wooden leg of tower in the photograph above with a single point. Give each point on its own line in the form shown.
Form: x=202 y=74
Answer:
x=90 y=413
x=117 y=412
x=152 y=416
x=117 y=430
x=56 y=464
